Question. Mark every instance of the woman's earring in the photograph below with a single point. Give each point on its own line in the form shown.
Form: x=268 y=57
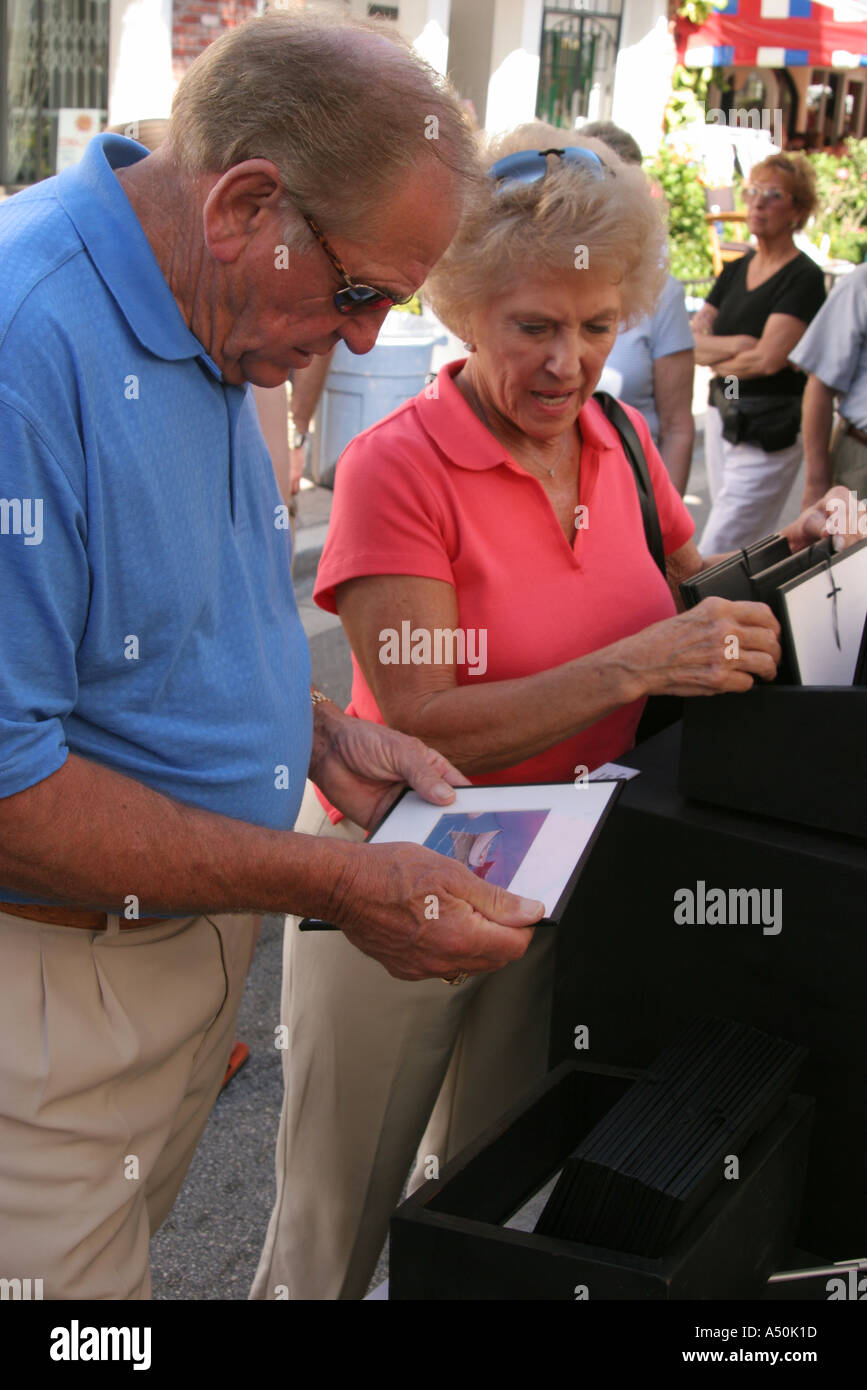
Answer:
x=470 y=347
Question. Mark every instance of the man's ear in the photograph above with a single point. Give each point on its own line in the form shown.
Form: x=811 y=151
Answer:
x=233 y=209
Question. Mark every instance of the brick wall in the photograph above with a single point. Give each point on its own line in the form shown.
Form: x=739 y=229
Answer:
x=196 y=23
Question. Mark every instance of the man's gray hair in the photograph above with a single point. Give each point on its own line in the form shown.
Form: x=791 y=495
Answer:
x=344 y=109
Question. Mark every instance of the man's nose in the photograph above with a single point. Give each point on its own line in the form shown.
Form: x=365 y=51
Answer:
x=360 y=330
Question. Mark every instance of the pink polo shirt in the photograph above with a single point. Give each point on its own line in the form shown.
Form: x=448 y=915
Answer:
x=429 y=491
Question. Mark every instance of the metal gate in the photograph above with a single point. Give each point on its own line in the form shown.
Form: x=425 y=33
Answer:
x=578 y=54
x=53 y=57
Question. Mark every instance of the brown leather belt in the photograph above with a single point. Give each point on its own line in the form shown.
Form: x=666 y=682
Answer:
x=72 y=916
x=860 y=435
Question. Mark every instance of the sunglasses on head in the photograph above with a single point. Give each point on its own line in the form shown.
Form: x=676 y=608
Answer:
x=354 y=296
x=530 y=166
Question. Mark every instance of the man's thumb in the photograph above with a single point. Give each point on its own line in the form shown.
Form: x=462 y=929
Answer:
x=499 y=905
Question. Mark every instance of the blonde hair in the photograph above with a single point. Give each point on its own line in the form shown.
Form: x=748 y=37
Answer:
x=802 y=181
x=540 y=226
x=344 y=110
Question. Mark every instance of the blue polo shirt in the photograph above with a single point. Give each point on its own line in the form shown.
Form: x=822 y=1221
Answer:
x=147 y=619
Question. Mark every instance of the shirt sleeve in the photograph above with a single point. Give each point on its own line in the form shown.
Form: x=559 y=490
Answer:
x=670 y=331
x=385 y=519
x=44 y=582
x=832 y=345
x=804 y=295
x=721 y=286
x=675 y=522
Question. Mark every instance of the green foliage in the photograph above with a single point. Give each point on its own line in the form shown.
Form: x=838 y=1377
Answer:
x=688 y=94
x=688 y=246
x=412 y=307
x=697 y=11
x=841 y=185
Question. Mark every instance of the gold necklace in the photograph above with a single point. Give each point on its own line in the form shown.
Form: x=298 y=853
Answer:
x=482 y=413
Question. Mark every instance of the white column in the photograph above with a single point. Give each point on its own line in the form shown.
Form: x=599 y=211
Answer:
x=432 y=38
x=514 y=63
x=642 y=78
x=424 y=22
x=140 y=81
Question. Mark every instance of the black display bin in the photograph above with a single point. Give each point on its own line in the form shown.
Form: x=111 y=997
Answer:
x=448 y=1241
x=795 y=752
x=628 y=972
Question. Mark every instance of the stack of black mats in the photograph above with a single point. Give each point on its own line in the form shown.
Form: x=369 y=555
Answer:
x=650 y=1165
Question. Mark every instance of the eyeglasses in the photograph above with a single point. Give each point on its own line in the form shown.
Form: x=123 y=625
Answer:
x=530 y=166
x=354 y=296
x=764 y=195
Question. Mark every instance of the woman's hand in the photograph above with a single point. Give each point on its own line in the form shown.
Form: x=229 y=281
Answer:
x=715 y=647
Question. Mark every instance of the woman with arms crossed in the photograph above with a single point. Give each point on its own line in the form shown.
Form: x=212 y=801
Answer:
x=756 y=312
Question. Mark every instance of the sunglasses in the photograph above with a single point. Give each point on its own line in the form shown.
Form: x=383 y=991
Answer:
x=354 y=296
x=531 y=166
x=764 y=195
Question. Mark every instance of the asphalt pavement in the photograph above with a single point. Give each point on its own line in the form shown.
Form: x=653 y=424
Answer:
x=209 y=1246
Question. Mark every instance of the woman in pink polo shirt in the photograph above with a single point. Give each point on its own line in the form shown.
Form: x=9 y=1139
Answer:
x=500 y=503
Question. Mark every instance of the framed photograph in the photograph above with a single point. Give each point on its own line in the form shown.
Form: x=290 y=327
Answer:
x=532 y=840
x=823 y=614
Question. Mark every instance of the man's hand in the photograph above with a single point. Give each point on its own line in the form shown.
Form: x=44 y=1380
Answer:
x=422 y=915
x=363 y=767
x=836 y=514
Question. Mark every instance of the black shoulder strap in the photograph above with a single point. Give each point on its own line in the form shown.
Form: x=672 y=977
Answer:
x=632 y=447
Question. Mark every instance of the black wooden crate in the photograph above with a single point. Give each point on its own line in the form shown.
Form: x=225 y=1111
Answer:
x=448 y=1240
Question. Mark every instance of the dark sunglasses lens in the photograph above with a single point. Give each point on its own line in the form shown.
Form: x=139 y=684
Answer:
x=529 y=166
x=361 y=297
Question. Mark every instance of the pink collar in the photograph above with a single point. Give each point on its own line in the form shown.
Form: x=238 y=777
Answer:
x=453 y=426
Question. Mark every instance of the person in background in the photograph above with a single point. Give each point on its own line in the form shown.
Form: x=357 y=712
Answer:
x=834 y=351
x=651 y=365
x=757 y=310
x=306 y=390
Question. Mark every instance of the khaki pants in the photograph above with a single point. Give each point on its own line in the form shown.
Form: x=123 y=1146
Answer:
x=849 y=462
x=113 y=1046
x=370 y=1062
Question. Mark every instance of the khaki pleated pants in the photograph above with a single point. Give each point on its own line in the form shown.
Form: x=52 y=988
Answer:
x=113 y=1047
x=849 y=462
x=375 y=1070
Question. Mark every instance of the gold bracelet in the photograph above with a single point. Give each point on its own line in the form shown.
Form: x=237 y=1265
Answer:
x=317 y=697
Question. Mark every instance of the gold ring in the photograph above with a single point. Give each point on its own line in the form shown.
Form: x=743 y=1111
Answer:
x=457 y=979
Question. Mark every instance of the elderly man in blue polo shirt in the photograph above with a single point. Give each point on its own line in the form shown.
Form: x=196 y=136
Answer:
x=156 y=721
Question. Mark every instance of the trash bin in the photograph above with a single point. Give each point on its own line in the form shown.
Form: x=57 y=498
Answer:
x=362 y=389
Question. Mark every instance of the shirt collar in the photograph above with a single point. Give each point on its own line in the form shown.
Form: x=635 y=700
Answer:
x=116 y=243
x=448 y=419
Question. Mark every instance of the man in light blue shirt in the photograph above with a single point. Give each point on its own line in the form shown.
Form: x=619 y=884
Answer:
x=155 y=711
x=834 y=351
